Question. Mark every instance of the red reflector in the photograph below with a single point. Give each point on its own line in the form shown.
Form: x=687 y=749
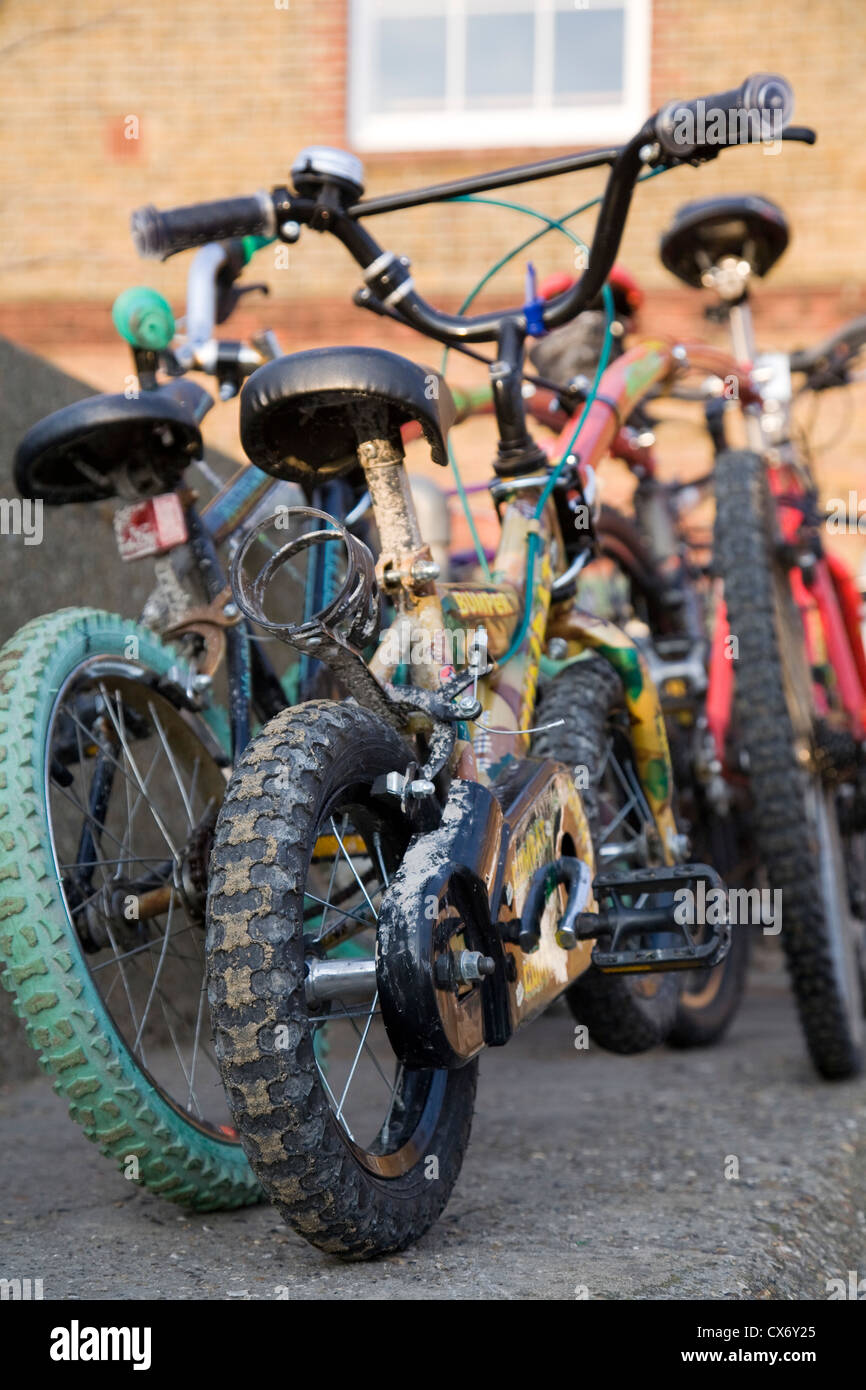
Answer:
x=151 y=527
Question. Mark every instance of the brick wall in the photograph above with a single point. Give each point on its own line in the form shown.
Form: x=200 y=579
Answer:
x=225 y=93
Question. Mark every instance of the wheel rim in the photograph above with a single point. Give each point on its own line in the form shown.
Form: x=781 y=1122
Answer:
x=387 y=1115
x=132 y=787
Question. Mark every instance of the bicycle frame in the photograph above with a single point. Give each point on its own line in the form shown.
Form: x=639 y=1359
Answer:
x=507 y=695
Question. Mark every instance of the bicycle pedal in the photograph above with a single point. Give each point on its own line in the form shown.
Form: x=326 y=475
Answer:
x=619 y=924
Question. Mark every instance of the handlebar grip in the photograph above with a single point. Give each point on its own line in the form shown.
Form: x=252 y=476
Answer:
x=158 y=235
x=682 y=128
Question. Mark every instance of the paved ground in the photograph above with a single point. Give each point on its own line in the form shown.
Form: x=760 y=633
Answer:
x=588 y=1175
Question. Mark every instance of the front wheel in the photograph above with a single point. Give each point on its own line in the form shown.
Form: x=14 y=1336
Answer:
x=358 y=1153
x=796 y=814
x=109 y=789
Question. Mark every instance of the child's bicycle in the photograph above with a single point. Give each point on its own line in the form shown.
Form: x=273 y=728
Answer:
x=410 y=817
x=651 y=574
x=118 y=738
x=791 y=706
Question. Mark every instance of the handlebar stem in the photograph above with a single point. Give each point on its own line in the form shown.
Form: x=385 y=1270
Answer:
x=201 y=293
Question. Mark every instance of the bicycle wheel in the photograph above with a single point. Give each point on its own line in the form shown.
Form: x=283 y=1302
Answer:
x=708 y=999
x=796 y=815
x=110 y=787
x=624 y=1013
x=362 y=1159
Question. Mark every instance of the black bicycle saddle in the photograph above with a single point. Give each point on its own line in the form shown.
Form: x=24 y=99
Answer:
x=304 y=415
x=741 y=224
x=105 y=446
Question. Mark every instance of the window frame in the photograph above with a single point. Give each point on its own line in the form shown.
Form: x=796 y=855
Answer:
x=460 y=127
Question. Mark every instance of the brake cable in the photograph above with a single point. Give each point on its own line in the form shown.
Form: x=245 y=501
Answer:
x=552 y=224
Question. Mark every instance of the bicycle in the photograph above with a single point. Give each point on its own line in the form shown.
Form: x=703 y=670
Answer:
x=652 y=575
x=790 y=708
x=417 y=792
x=118 y=743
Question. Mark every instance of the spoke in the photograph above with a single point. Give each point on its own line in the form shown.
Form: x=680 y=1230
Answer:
x=162 y=1003
x=89 y=834
x=360 y=1012
x=103 y=752
x=165 y=941
x=621 y=778
x=141 y=785
x=127 y=792
x=193 y=786
x=85 y=902
x=328 y=905
x=620 y=815
x=327 y=1087
x=127 y=859
x=103 y=829
x=166 y=1003
x=148 y=946
x=377 y=843
x=173 y=765
x=357 y=1054
x=640 y=799
x=386 y=1128
x=157 y=771
x=139 y=796
x=126 y=988
x=82 y=810
x=373 y=1058
x=347 y=912
x=354 y=870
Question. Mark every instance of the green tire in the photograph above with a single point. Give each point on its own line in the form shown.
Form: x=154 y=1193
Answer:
x=43 y=966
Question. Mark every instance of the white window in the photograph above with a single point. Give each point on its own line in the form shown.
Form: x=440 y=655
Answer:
x=451 y=74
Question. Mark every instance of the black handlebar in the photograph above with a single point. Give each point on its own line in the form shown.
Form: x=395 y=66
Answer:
x=158 y=235
x=829 y=361
x=680 y=132
x=759 y=109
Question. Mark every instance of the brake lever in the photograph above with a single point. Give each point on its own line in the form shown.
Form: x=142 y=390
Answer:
x=229 y=296
x=804 y=134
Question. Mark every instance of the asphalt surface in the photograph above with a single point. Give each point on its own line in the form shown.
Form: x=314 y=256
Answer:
x=588 y=1176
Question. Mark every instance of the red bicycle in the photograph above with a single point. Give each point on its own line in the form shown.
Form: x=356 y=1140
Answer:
x=787 y=691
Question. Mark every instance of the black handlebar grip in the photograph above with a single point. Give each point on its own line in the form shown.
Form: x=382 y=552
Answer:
x=159 y=235
x=759 y=109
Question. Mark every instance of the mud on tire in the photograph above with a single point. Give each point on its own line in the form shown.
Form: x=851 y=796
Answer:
x=304 y=765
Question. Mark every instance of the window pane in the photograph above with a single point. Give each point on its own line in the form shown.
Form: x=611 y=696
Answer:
x=409 y=64
x=588 y=58
x=500 y=52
